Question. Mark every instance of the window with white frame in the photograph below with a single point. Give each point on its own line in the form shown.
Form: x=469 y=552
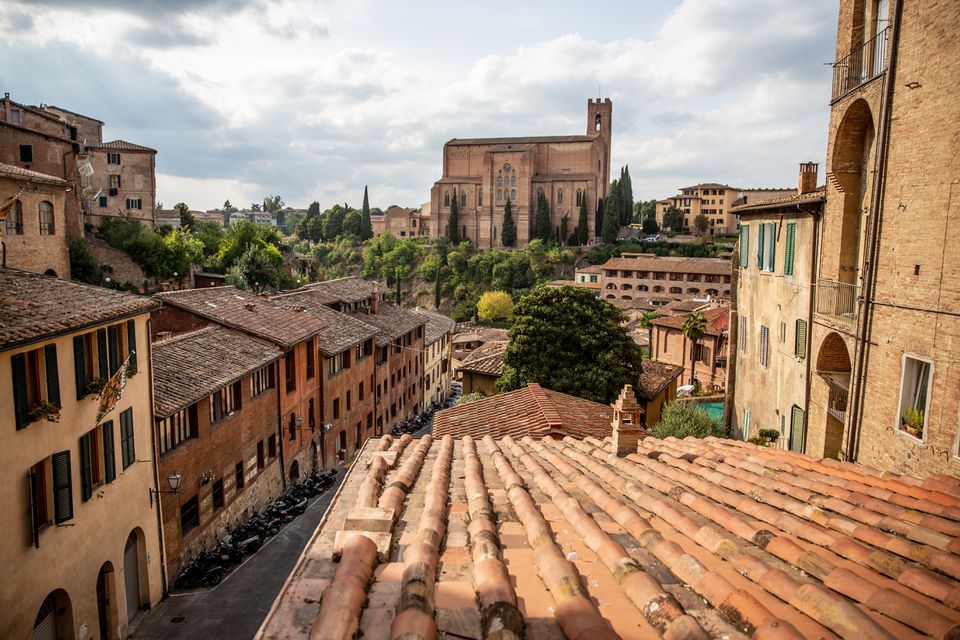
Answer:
x=743 y=334
x=134 y=203
x=113 y=158
x=764 y=346
x=914 y=396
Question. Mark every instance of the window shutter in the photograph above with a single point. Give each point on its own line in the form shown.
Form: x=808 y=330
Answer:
x=797 y=417
x=32 y=486
x=53 y=375
x=109 y=458
x=62 y=487
x=132 y=345
x=79 y=367
x=800 y=348
x=745 y=246
x=86 y=482
x=127 y=449
x=772 y=245
x=760 y=229
x=791 y=243
x=18 y=364
x=113 y=334
x=103 y=366
x=764 y=341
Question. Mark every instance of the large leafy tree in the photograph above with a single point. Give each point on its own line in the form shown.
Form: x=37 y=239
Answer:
x=583 y=228
x=453 y=221
x=701 y=222
x=366 y=227
x=567 y=340
x=646 y=322
x=494 y=305
x=259 y=268
x=673 y=219
x=227 y=210
x=542 y=228
x=183 y=210
x=694 y=327
x=353 y=224
x=333 y=223
x=611 y=217
x=508 y=235
x=240 y=237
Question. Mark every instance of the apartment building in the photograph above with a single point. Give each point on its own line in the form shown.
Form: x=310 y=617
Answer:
x=402 y=222
x=645 y=275
x=671 y=346
x=122 y=180
x=437 y=357
x=33 y=234
x=713 y=200
x=82 y=548
x=215 y=412
x=770 y=322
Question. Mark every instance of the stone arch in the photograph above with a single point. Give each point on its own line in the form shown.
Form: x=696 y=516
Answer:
x=136 y=588
x=626 y=298
x=107 y=614
x=833 y=355
x=852 y=146
x=294 y=471
x=597 y=122
x=56 y=613
x=610 y=296
x=51 y=273
x=693 y=291
x=626 y=286
x=833 y=368
x=611 y=285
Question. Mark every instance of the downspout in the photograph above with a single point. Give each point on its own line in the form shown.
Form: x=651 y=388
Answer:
x=862 y=339
x=733 y=340
x=156 y=460
x=813 y=282
x=283 y=473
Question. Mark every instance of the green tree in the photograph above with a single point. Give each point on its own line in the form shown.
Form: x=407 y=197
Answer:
x=227 y=210
x=494 y=305
x=650 y=225
x=583 y=228
x=240 y=237
x=694 y=327
x=611 y=218
x=333 y=223
x=366 y=227
x=646 y=322
x=673 y=219
x=181 y=250
x=701 y=222
x=508 y=235
x=564 y=229
x=209 y=233
x=254 y=206
x=626 y=196
x=542 y=229
x=567 y=340
x=353 y=224
x=259 y=268
x=682 y=419
x=186 y=218
x=310 y=226
x=83 y=265
x=273 y=204
x=453 y=222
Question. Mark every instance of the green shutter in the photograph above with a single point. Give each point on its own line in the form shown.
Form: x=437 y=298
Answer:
x=113 y=335
x=102 y=364
x=109 y=458
x=18 y=364
x=53 y=375
x=132 y=345
x=772 y=245
x=791 y=242
x=86 y=482
x=127 y=450
x=800 y=345
x=745 y=246
x=796 y=429
x=62 y=487
x=79 y=367
x=760 y=229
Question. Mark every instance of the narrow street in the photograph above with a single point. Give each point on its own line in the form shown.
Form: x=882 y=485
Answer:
x=237 y=606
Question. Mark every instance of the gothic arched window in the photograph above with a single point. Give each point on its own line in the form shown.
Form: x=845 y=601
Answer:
x=499 y=195
x=47 y=227
x=15 y=219
x=446 y=198
x=539 y=194
x=596 y=122
x=513 y=180
x=499 y=181
x=579 y=197
x=559 y=197
x=463 y=197
x=513 y=194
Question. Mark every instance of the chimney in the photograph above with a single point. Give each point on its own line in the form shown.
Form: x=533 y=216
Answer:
x=249 y=306
x=808 y=178
x=375 y=301
x=626 y=423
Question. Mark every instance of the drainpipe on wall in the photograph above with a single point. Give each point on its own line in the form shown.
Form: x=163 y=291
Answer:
x=733 y=339
x=862 y=338
x=283 y=473
x=812 y=303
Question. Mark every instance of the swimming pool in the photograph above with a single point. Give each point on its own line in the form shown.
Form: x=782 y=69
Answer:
x=714 y=409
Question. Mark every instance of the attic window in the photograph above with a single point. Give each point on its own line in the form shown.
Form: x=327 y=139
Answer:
x=15 y=116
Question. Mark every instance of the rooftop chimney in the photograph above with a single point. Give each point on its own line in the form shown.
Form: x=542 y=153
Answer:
x=626 y=423
x=808 y=178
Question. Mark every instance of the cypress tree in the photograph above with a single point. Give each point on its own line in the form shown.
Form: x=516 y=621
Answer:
x=583 y=228
x=453 y=230
x=508 y=235
x=541 y=225
x=366 y=227
x=627 y=194
x=611 y=217
x=437 y=288
x=564 y=229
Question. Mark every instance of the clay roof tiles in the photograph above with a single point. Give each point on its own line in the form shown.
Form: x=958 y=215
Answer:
x=349 y=289
x=521 y=140
x=35 y=307
x=190 y=366
x=685 y=539
x=486 y=359
x=532 y=411
x=656 y=376
x=339 y=331
x=718 y=320
x=19 y=173
x=815 y=197
x=671 y=264
x=391 y=322
x=438 y=325
x=121 y=145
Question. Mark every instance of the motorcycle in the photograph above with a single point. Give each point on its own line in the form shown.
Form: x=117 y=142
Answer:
x=199 y=574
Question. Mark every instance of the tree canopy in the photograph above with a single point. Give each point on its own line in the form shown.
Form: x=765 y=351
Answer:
x=611 y=217
x=494 y=305
x=682 y=419
x=508 y=235
x=366 y=227
x=701 y=222
x=567 y=340
x=673 y=219
x=542 y=228
x=453 y=222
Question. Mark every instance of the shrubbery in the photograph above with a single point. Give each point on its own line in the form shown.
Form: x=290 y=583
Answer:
x=682 y=419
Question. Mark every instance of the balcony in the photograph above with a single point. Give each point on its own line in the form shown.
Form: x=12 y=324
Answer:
x=863 y=64
x=837 y=300
x=838 y=383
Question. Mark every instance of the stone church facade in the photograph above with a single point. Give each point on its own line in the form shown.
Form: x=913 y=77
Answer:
x=482 y=173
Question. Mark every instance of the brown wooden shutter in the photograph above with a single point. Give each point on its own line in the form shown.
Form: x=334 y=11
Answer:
x=132 y=345
x=53 y=375
x=32 y=481
x=102 y=362
x=127 y=449
x=62 y=487
x=18 y=365
x=86 y=481
x=113 y=339
x=79 y=366
x=109 y=457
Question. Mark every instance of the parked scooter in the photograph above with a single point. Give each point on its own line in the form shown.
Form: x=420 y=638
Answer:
x=199 y=574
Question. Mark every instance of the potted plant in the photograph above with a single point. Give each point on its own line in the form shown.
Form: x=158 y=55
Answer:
x=765 y=437
x=44 y=410
x=912 y=422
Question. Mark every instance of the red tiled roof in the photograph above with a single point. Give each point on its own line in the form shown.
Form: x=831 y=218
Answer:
x=121 y=145
x=532 y=411
x=339 y=332
x=656 y=376
x=349 y=289
x=520 y=140
x=816 y=196
x=486 y=359
x=671 y=264
x=683 y=539
x=438 y=325
x=718 y=320
x=18 y=173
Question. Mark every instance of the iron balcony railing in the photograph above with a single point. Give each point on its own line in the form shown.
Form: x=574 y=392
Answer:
x=837 y=300
x=838 y=383
x=864 y=63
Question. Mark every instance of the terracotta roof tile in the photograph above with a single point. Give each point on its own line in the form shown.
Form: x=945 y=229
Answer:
x=391 y=322
x=671 y=264
x=656 y=376
x=530 y=140
x=438 y=325
x=34 y=306
x=486 y=359
x=19 y=173
x=718 y=320
x=693 y=539
x=349 y=289
x=121 y=145
x=245 y=311
x=772 y=203
x=190 y=366
x=339 y=331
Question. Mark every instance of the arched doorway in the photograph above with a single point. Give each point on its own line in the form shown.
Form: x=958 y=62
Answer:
x=848 y=165
x=294 y=471
x=106 y=602
x=131 y=574
x=51 y=273
x=54 y=619
x=833 y=367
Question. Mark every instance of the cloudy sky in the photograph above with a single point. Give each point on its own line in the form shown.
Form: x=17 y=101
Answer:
x=313 y=99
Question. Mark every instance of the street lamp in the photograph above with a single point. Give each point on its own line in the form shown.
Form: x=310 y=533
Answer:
x=173 y=480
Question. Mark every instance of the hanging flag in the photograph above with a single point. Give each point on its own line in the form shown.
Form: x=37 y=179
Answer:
x=110 y=395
